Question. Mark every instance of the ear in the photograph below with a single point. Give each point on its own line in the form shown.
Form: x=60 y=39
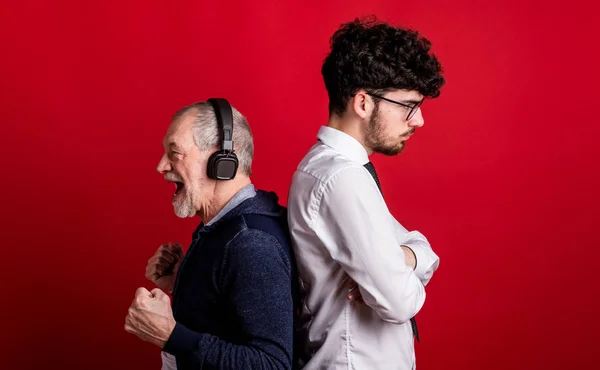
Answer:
x=362 y=104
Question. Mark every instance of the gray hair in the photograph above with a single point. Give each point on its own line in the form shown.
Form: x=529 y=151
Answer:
x=207 y=133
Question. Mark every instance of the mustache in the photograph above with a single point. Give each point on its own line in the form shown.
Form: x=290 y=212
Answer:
x=172 y=177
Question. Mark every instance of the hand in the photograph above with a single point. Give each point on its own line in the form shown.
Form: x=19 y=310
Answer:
x=353 y=292
x=163 y=266
x=409 y=257
x=150 y=316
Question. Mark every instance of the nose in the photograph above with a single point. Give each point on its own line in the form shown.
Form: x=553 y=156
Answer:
x=164 y=165
x=417 y=120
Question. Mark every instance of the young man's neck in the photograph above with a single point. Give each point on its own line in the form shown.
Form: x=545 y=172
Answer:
x=349 y=126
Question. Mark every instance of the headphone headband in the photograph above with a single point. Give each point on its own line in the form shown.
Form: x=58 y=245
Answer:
x=224 y=115
x=223 y=164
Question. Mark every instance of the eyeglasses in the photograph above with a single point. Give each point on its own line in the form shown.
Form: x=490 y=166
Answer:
x=412 y=109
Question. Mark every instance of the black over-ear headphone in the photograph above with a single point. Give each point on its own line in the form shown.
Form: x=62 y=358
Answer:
x=223 y=164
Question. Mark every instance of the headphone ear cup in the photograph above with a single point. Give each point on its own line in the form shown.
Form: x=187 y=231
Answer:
x=210 y=168
x=222 y=165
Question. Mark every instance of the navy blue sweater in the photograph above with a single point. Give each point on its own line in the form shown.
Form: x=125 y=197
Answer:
x=235 y=292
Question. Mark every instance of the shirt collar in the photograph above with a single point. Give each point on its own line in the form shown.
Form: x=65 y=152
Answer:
x=343 y=143
x=245 y=193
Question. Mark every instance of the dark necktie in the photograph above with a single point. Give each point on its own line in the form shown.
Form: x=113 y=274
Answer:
x=369 y=166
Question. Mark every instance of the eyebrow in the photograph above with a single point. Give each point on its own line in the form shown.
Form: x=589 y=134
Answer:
x=413 y=102
x=171 y=145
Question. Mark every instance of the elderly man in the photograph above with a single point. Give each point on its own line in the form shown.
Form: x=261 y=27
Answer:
x=233 y=290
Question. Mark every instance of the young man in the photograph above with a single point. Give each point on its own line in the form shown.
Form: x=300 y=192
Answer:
x=348 y=246
x=233 y=291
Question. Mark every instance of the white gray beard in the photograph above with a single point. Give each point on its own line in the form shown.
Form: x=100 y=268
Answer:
x=185 y=207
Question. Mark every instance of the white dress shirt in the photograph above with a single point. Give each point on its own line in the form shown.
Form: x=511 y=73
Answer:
x=341 y=227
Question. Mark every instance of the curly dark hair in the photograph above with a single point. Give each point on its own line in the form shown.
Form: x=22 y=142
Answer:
x=377 y=57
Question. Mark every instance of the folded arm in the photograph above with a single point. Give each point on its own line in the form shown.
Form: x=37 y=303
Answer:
x=355 y=227
x=427 y=262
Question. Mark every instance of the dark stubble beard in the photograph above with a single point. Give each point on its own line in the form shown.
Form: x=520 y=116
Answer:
x=375 y=138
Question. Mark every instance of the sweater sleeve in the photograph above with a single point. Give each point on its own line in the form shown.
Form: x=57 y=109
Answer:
x=256 y=278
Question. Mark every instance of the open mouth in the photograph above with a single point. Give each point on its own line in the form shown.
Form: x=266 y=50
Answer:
x=178 y=187
x=174 y=179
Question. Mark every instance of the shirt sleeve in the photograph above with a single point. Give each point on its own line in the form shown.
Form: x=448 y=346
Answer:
x=354 y=225
x=427 y=261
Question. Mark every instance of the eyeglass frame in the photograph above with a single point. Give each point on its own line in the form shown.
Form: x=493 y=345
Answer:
x=413 y=108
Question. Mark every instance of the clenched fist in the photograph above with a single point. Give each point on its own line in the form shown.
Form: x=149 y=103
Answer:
x=150 y=316
x=163 y=266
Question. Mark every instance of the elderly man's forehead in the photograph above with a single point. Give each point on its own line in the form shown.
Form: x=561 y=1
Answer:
x=180 y=131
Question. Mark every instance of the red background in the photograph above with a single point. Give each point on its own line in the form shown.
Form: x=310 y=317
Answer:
x=503 y=178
